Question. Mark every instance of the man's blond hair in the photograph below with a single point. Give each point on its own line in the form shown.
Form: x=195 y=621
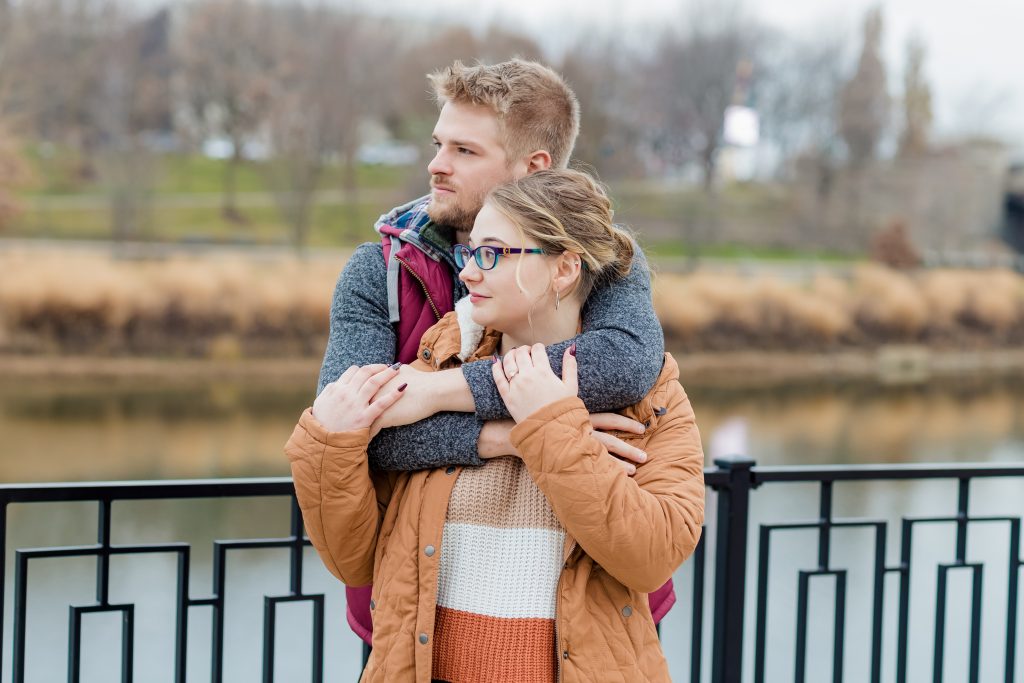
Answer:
x=536 y=108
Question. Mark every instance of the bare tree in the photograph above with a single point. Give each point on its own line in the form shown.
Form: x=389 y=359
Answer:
x=798 y=95
x=693 y=81
x=864 y=105
x=14 y=170
x=93 y=80
x=14 y=173
x=355 y=75
x=55 y=58
x=690 y=82
x=225 y=71
x=917 y=101
x=612 y=120
x=329 y=71
x=132 y=109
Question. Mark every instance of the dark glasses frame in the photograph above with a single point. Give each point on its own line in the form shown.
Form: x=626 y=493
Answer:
x=462 y=253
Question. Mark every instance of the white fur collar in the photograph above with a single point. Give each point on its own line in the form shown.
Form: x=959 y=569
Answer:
x=471 y=331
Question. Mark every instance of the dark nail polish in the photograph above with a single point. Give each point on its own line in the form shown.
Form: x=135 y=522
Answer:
x=402 y=388
x=494 y=360
x=572 y=350
x=396 y=366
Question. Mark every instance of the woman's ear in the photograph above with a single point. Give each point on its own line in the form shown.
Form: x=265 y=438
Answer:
x=567 y=272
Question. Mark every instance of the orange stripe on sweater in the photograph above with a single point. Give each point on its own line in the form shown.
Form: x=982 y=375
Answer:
x=472 y=648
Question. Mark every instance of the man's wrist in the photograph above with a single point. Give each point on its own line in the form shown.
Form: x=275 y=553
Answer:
x=450 y=392
x=494 y=440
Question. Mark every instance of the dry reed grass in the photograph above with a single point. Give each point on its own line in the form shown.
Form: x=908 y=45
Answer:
x=92 y=304
x=87 y=303
x=875 y=306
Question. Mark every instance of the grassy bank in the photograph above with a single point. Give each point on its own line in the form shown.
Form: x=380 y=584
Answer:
x=182 y=202
x=230 y=308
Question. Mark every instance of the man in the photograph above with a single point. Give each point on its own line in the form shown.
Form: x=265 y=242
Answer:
x=496 y=123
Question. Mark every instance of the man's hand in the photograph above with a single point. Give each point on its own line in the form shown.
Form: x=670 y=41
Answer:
x=617 y=447
x=495 y=439
x=356 y=399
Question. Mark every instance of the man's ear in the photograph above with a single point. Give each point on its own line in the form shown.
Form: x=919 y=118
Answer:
x=538 y=161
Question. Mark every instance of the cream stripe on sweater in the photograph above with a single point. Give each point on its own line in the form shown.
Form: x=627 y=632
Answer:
x=501 y=551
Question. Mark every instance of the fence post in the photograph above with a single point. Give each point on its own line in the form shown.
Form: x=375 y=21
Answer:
x=731 y=569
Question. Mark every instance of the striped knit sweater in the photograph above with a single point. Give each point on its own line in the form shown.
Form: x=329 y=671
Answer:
x=501 y=556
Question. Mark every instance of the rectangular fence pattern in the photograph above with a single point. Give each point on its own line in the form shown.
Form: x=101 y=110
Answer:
x=734 y=481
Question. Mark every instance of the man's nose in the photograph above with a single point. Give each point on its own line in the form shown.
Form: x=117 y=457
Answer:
x=439 y=165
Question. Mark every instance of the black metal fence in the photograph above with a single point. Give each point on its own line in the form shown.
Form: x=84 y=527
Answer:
x=733 y=482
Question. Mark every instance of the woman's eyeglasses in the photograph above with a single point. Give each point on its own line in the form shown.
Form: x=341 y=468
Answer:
x=486 y=257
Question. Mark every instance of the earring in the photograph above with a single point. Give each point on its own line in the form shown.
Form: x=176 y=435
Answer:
x=556 y=299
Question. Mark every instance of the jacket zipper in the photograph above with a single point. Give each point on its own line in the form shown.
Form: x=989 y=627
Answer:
x=558 y=600
x=430 y=299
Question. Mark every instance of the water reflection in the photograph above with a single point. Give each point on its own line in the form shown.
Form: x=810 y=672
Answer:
x=88 y=431
x=85 y=431
x=130 y=430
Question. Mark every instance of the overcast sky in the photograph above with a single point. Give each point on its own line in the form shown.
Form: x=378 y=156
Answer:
x=976 y=47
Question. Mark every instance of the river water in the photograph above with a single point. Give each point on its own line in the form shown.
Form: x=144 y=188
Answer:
x=131 y=429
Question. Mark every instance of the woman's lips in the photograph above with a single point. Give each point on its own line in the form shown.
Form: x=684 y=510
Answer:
x=477 y=298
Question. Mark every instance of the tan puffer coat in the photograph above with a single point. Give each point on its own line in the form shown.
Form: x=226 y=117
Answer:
x=625 y=536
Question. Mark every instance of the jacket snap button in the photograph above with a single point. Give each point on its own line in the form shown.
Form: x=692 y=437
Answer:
x=565 y=654
x=429 y=551
x=423 y=638
x=373 y=604
x=627 y=611
x=450 y=470
x=647 y=424
x=426 y=354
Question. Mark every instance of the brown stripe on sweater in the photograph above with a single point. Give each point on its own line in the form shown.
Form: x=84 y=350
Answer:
x=472 y=648
x=500 y=494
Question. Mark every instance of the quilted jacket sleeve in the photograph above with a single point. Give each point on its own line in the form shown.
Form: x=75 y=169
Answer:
x=341 y=503
x=641 y=528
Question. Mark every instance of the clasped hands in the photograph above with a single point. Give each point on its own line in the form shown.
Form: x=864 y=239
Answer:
x=368 y=397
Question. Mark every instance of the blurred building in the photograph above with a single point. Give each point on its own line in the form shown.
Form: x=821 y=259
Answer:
x=951 y=199
x=1013 y=226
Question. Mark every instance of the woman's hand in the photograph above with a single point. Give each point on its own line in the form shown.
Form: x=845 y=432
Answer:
x=354 y=400
x=526 y=382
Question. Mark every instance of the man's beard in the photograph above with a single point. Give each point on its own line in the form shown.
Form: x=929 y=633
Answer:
x=455 y=216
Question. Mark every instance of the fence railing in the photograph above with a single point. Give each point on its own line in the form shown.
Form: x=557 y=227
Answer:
x=734 y=483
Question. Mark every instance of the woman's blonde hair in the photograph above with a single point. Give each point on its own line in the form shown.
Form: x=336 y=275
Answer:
x=567 y=210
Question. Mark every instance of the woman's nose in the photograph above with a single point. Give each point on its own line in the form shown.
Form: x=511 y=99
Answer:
x=469 y=271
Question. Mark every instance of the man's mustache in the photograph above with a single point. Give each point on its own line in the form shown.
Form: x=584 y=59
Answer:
x=444 y=186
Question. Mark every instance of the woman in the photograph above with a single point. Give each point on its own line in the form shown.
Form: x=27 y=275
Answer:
x=530 y=568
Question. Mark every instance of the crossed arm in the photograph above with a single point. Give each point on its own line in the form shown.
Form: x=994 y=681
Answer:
x=343 y=502
x=620 y=354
